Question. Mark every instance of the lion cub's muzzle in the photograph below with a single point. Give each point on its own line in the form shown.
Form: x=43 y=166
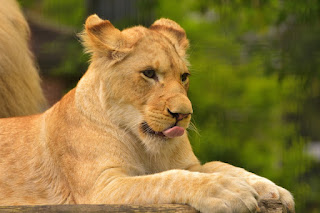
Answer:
x=171 y=121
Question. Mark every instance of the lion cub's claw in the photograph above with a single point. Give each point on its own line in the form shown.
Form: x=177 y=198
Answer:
x=268 y=190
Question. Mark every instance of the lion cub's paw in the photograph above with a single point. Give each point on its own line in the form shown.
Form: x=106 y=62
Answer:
x=268 y=190
x=220 y=193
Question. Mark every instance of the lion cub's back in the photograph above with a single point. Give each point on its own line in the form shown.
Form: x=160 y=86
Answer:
x=20 y=160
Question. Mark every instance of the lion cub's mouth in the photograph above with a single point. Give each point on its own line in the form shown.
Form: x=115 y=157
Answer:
x=172 y=132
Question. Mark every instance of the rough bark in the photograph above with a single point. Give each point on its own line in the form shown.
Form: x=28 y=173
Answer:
x=266 y=206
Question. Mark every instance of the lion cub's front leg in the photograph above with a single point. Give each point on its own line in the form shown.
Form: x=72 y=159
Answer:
x=264 y=187
x=208 y=193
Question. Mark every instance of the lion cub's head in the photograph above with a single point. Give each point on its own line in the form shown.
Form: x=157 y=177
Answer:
x=140 y=78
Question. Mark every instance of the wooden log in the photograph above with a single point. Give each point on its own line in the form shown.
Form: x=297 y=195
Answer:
x=98 y=208
x=265 y=206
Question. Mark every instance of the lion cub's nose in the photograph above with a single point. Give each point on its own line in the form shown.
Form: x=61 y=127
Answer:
x=178 y=116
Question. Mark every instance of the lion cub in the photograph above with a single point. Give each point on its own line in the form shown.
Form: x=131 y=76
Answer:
x=120 y=136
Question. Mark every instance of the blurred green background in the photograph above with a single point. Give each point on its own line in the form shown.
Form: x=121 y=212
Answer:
x=255 y=82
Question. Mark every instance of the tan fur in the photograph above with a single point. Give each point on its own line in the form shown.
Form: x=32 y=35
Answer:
x=20 y=91
x=91 y=148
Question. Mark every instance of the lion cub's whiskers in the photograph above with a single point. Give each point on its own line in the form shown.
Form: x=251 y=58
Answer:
x=194 y=128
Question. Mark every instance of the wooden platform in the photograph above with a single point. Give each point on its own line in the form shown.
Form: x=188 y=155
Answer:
x=266 y=206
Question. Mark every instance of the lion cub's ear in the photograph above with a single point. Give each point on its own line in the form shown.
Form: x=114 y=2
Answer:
x=174 y=33
x=102 y=38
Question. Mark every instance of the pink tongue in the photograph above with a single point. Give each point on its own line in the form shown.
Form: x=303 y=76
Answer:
x=173 y=132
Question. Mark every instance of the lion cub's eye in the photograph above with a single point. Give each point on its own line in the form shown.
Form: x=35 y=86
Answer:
x=184 y=77
x=150 y=74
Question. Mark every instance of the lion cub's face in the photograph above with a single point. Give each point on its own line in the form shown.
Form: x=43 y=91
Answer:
x=143 y=74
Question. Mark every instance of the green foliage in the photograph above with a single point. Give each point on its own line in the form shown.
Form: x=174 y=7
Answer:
x=70 y=12
x=74 y=64
x=66 y=12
